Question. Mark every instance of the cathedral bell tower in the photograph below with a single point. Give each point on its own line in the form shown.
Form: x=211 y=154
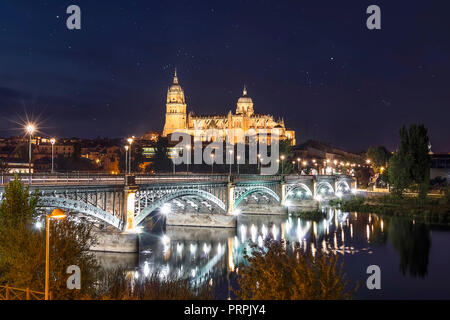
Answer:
x=175 y=108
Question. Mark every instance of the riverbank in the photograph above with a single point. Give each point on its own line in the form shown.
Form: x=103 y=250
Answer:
x=431 y=210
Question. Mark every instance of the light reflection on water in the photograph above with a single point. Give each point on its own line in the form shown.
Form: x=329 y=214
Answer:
x=210 y=254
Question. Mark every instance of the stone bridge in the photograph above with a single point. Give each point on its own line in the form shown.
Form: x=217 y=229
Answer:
x=124 y=202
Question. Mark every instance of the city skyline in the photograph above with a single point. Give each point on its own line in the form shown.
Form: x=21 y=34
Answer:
x=332 y=81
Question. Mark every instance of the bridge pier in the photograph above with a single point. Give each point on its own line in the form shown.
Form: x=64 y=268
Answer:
x=283 y=192
x=130 y=190
x=230 y=197
x=314 y=190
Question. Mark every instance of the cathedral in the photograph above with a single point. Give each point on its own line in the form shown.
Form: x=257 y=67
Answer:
x=237 y=124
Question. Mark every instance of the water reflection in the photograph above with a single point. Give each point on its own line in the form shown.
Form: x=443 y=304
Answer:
x=412 y=241
x=210 y=254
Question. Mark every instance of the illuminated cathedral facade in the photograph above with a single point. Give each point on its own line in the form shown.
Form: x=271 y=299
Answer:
x=232 y=125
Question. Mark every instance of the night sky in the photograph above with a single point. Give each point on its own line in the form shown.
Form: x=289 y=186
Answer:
x=312 y=62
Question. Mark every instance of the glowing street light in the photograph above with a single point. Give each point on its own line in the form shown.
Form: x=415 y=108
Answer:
x=282 y=164
x=230 y=152
x=212 y=163
x=130 y=141
x=174 y=154
x=52 y=141
x=57 y=214
x=188 y=156
x=126 y=158
x=260 y=167
x=30 y=129
x=238 y=157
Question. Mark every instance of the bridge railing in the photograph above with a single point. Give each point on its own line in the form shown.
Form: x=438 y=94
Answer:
x=11 y=293
x=86 y=178
x=64 y=179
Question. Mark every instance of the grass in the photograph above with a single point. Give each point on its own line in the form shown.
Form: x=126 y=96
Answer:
x=431 y=210
x=314 y=215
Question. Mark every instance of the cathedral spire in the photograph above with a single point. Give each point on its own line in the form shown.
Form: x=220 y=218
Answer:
x=175 y=78
x=245 y=91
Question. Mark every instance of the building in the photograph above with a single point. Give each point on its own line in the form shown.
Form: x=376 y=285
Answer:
x=45 y=150
x=234 y=125
x=440 y=166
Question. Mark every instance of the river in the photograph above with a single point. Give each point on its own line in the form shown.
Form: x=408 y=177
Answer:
x=414 y=258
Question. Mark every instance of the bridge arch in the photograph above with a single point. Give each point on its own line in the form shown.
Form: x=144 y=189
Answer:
x=177 y=194
x=81 y=207
x=342 y=185
x=253 y=190
x=296 y=187
x=323 y=185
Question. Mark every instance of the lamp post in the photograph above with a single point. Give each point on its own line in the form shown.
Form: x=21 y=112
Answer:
x=282 y=164
x=260 y=166
x=30 y=128
x=230 y=152
x=130 y=141
x=259 y=161
x=212 y=163
x=174 y=153
x=298 y=164
x=238 y=157
x=126 y=159
x=52 y=141
x=188 y=158
x=56 y=214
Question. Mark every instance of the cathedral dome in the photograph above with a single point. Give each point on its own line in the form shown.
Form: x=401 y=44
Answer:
x=245 y=98
x=244 y=104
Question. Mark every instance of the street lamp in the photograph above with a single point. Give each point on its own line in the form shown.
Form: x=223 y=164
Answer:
x=188 y=157
x=30 y=128
x=260 y=167
x=174 y=154
x=57 y=214
x=126 y=159
x=130 y=141
x=212 y=163
x=282 y=164
x=238 y=157
x=259 y=161
x=298 y=164
x=52 y=141
x=230 y=152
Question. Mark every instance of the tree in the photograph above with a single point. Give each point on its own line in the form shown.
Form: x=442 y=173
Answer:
x=420 y=160
x=398 y=174
x=288 y=153
x=279 y=274
x=161 y=161
x=137 y=157
x=22 y=246
x=411 y=163
x=379 y=157
x=3 y=167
